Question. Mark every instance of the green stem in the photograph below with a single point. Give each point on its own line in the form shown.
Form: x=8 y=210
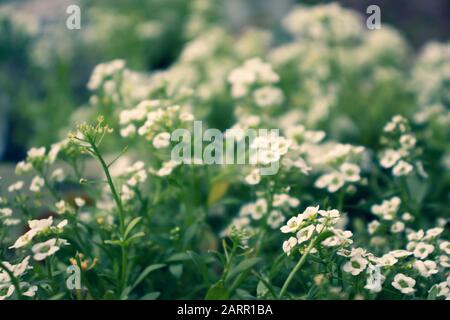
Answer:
x=296 y=268
x=123 y=274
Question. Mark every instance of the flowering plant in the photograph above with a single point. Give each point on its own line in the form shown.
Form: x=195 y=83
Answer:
x=357 y=207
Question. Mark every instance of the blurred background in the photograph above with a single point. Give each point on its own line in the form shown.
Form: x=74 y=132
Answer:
x=44 y=67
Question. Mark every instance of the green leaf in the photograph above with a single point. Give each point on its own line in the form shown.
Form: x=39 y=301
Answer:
x=217 y=292
x=113 y=242
x=218 y=190
x=151 y=296
x=145 y=273
x=135 y=236
x=181 y=256
x=131 y=225
x=199 y=263
x=433 y=293
x=243 y=266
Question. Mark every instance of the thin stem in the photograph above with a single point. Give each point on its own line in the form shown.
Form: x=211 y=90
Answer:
x=296 y=268
x=123 y=273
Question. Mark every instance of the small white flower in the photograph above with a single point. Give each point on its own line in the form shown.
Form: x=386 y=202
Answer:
x=58 y=175
x=128 y=131
x=23 y=167
x=161 y=140
x=62 y=224
x=355 y=266
x=389 y=158
x=80 y=202
x=305 y=234
x=433 y=233
x=291 y=226
x=375 y=279
x=373 y=226
x=17 y=186
x=426 y=268
x=6 y=290
x=289 y=244
x=36 y=184
x=275 y=219
x=422 y=250
x=45 y=249
x=35 y=154
x=402 y=168
x=61 y=207
x=397 y=227
x=5 y=212
x=259 y=209
x=350 y=171
x=404 y=283
x=281 y=200
x=445 y=246
x=408 y=141
x=254 y=177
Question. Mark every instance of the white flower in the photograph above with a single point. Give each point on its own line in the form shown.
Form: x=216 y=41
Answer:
x=35 y=154
x=375 y=279
x=80 y=202
x=289 y=244
x=402 y=168
x=305 y=233
x=166 y=168
x=254 y=177
x=128 y=131
x=426 y=268
x=23 y=167
x=11 y=222
x=400 y=253
x=58 y=175
x=408 y=141
x=45 y=249
x=127 y=193
x=268 y=96
x=280 y=200
x=62 y=224
x=350 y=171
x=61 y=207
x=6 y=290
x=15 y=186
x=443 y=289
x=332 y=181
x=329 y=214
x=5 y=212
x=389 y=158
x=422 y=250
x=373 y=226
x=259 y=209
x=161 y=140
x=291 y=226
x=404 y=284
x=445 y=246
x=24 y=239
x=30 y=291
x=356 y=265
x=40 y=225
x=433 y=233
x=397 y=227
x=36 y=184
x=275 y=219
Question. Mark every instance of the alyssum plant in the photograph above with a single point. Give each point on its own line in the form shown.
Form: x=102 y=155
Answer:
x=358 y=208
